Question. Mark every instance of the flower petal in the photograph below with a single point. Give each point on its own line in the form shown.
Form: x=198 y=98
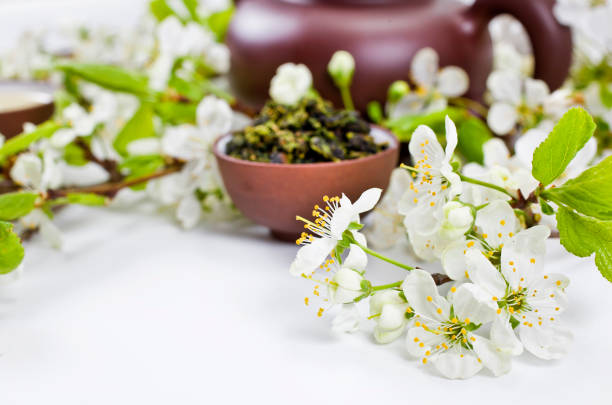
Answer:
x=347 y=320
x=456 y=365
x=356 y=259
x=422 y=295
x=536 y=92
x=393 y=316
x=451 y=139
x=522 y=258
x=453 y=81
x=504 y=338
x=495 y=152
x=484 y=274
x=419 y=341
x=425 y=148
x=367 y=200
x=424 y=67
x=547 y=343
x=189 y=211
x=453 y=259
x=473 y=303
x=505 y=86
x=349 y=279
x=497 y=223
x=493 y=359
x=311 y=256
x=502 y=118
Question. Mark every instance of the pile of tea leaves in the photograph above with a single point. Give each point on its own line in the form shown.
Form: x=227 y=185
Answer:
x=310 y=132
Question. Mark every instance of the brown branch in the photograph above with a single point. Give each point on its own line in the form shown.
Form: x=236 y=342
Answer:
x=112 y=188
x=109 y=165
x=440 y=279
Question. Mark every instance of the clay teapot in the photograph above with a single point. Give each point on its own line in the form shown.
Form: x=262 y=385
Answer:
x=383 y=36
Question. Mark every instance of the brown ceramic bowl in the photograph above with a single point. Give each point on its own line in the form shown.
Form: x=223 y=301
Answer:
x=22 y=102
x=272 y=194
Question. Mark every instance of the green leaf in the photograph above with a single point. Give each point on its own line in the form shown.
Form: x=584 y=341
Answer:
x=192 y=7
x=176 y=113
x=110 y=77
x=219 y=22
x=583 y=236
x=472 y=326
x=87 y=199
x=11 y=251
x=138 y=127
x=605 y=94
x=590 y=193
x=354 y=226
x=569 y=136
x=16 y=205
x=375 y=112
x=140 y=166
x=193 y=90
x=22 y=141
x=473 y=134
x=403 y=127
x=160 y=9
x=75 y=155
x=546 y=208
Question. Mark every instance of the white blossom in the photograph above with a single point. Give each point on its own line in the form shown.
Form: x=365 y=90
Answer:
x=523 y=293
x=328 y=228
x=442 y=332
x=290 y=83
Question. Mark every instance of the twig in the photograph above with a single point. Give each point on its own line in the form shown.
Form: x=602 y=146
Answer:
x=109 y=165
x=112 y=188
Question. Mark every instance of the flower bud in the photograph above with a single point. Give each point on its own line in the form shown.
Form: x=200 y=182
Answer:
x=458 y=219
x=397 y=90
x=346 y=286
x=290 y=84
x=341 y=68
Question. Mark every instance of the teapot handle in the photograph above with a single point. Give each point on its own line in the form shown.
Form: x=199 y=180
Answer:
x=551 y=42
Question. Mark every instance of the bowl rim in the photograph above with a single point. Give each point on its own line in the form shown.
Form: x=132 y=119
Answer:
x=30 y=86
x=394 y=146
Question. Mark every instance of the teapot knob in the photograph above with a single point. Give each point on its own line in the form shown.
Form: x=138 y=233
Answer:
x=551 y=42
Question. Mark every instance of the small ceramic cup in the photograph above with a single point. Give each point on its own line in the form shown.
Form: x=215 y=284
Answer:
x=22 y=102
x=272 y=194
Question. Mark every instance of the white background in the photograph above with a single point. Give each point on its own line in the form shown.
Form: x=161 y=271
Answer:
x=135 y=310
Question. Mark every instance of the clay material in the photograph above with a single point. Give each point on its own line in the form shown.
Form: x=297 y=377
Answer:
x=383 y=36
x=40 y=110
x=273 y=194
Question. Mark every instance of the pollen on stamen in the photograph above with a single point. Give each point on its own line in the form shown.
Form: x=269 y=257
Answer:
x=453 y=289
x=429 y=298
x=306 y=300
x=320 y=313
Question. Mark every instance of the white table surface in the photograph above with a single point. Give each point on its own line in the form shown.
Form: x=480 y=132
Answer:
x=135 y=310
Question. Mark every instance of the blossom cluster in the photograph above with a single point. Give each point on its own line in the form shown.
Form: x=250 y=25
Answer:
x=137 y=125
x=501 y=301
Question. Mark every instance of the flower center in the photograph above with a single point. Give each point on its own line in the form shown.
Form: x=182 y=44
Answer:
x=321 y=226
